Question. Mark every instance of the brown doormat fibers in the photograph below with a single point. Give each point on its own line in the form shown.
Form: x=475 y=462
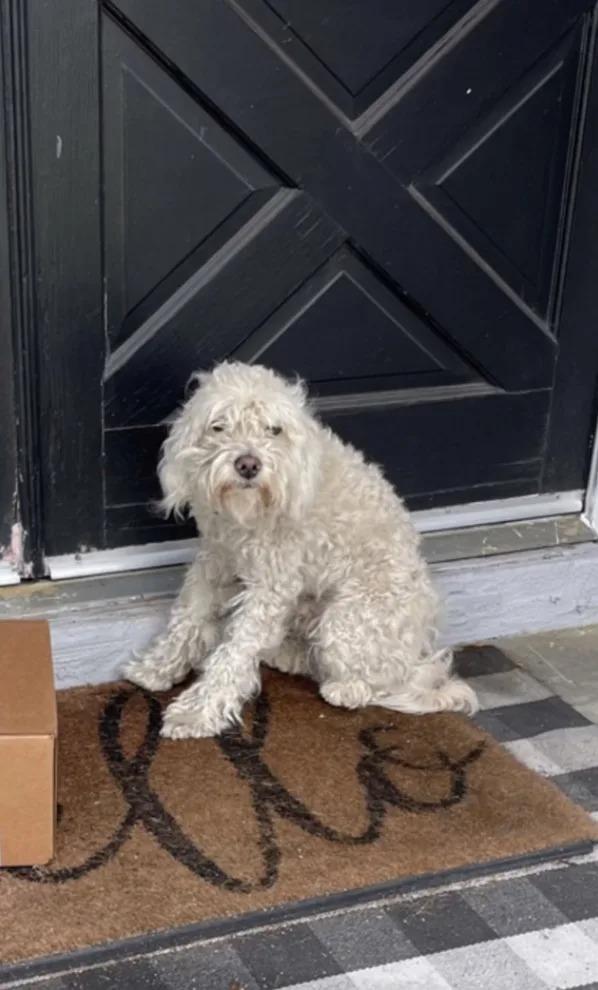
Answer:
x=304 y=801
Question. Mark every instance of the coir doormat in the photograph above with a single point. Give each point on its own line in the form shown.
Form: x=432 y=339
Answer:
x=304 y=801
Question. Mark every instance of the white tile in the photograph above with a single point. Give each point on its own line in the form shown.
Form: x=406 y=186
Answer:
x=526 y=752
x=340 y=982
x=487 y=965
x=410 y=974
x=566 y=749
x=590 y=927
x=563 y=957
x=511 y=687
x=566 y=661
x=589 y=709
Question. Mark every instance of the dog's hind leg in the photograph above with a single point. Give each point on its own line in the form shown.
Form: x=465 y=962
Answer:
x=294 y=655
x=367 y=657
x=341 y=644
x=368 y=645
x=432 y=687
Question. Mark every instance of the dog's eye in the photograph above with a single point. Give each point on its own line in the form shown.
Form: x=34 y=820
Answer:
x=275 y=431
x=216 y=427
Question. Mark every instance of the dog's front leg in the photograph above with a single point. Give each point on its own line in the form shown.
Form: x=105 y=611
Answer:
x=190 y=634
x=231 y=672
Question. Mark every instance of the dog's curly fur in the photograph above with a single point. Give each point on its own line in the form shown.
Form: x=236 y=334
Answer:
x=312 y=567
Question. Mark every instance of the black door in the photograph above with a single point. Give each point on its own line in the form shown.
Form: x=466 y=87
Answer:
x=396 y=200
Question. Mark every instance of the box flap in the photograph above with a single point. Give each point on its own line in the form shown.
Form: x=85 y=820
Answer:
x=27 y=696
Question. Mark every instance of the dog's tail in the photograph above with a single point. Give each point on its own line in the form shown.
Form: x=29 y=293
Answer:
x=432 y=688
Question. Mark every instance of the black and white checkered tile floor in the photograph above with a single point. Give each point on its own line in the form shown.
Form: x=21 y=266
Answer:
x=534 y=930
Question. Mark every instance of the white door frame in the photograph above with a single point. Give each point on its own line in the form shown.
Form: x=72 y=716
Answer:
x=590 y=505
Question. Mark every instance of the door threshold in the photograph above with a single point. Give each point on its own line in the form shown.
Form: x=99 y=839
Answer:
x=512 y=537
x=135 y=572
x=537 y=520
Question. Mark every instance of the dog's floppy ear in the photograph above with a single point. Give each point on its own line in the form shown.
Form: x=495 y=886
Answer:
x=173 y=473
x=298 y=390
x=176 y=461
x=178 y=451
x=197 y=379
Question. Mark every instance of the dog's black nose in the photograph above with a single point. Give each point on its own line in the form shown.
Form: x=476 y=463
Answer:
x=248 y=466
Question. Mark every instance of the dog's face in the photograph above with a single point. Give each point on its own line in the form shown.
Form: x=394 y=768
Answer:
x=244 y=444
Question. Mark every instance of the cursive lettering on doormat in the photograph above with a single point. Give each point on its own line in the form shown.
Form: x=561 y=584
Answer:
x=269 y=797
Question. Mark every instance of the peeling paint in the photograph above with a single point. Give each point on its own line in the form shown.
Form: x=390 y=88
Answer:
x=13 y=555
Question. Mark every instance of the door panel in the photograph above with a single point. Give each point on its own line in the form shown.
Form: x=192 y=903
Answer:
x=379 y=197
x=521 y=152
x=342 y=172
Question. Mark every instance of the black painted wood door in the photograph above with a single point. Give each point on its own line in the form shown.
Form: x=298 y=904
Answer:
x=394 y=199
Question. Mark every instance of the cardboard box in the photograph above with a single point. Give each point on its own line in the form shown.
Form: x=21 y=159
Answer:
x=28 y=730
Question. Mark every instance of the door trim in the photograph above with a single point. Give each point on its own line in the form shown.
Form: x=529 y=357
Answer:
x=590 y=507
x=499 y=510
x=136 y=558
x=20 y=309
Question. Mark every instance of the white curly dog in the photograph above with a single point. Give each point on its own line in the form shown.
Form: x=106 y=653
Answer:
x=308 y=562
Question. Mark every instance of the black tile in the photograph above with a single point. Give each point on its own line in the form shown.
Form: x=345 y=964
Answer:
x=128 y=975
x=491 y=722
x=474 y=661
x=440 y=922
x=581 y=786
x=281 y=958
x=531 y=718
x=213 y=966
x=574 y=890
x=513 y=906
x=360 y=939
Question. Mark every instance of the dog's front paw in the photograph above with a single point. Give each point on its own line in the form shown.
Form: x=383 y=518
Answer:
x=147 y=675
x=197 y=721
